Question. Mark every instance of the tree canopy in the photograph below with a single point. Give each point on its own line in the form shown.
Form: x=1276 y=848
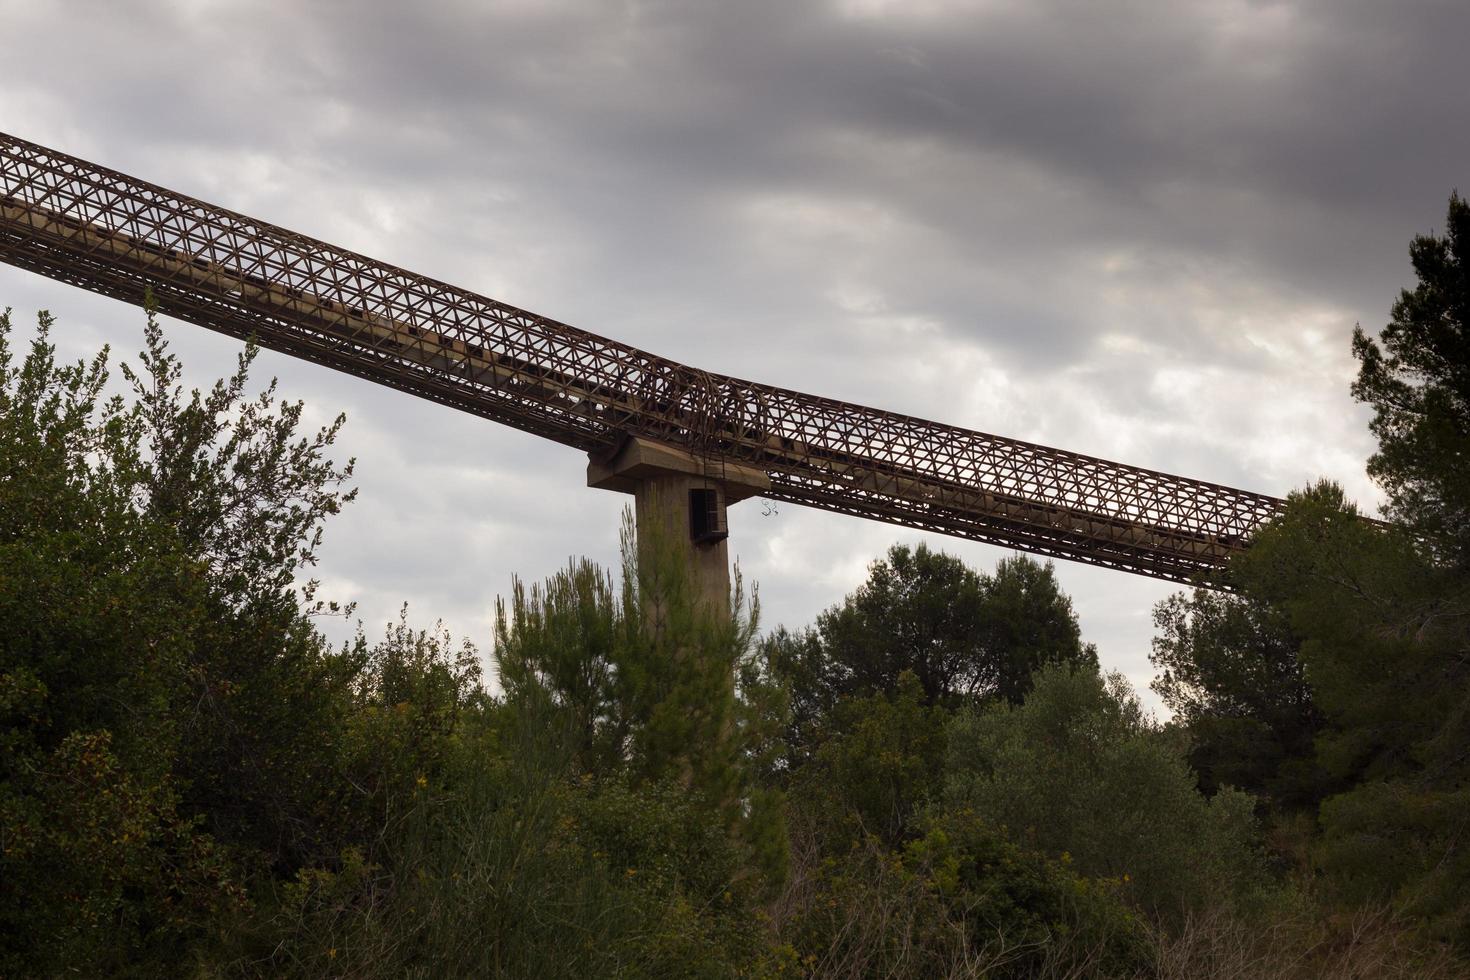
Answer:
x=1416 y=376
x=964 y=635
x=1231 y=672
x=168 y=709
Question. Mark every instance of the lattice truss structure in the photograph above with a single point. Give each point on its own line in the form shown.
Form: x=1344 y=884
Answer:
x=83 y=224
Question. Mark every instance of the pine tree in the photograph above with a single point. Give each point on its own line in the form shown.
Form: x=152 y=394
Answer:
x=1418 y=383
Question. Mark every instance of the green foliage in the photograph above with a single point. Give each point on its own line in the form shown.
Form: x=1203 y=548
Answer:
x=964 y=636
x=1385 y=640
x=245 y=498
x=168 y=710
x=557 y=647
x=1389 y=633
x=102 y=874
x=1403 y=841
x=882 y=761
x=958 y=899
x=415 y=705
x=1078 y=770
x=193 y=780
x=1232 y=676
x=1418 y=383
x=490 y=848
x=99 y=608
x=1044 y=910
x=1383 y=631
x=920 y=611
x=1029 y=623
x=887 y=882
x=96 y=604
x=803 y=670
x=689 y=875
x=647 y=682
x=189 y=773
x=228 y=473
x=511 y=871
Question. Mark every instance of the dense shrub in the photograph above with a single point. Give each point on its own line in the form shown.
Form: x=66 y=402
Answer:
x=958 y=899
x=1078 y=770
x=881 y=761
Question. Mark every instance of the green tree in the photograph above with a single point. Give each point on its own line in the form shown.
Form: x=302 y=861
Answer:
x=1390 y=632
x=1418 y=383
x=882 y=761
x=169 y=712
x=1385 y=635
x=192 y=779
x=557 y=647
x=643 y=681
x=415 y=706
x=889 y=882
x=964 y=635
x=920 y=611
x=1028 y=623
x=512 y=870
x=1381 y=628
x=1230 y=671
x=246 y=498
x=100 y=871
x=1077 y=769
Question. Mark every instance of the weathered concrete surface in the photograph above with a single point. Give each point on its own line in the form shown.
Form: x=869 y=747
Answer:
x=660 y=478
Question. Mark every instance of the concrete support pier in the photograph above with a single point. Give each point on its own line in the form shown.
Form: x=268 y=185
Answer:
x=685 y=497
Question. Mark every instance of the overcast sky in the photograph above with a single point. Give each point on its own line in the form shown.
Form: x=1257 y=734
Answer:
x=1142 y=231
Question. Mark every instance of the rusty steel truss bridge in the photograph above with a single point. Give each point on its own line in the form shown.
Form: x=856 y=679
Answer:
x=96 y=228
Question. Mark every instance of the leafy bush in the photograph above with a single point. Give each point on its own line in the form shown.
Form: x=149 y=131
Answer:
x=964 y=635
x=515 y=872
x=1384 y=638
x=1078 y=771
x=881 y=761
x=170 y=715
x=956 y=900
x=642 y=681
x=1232 y=674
